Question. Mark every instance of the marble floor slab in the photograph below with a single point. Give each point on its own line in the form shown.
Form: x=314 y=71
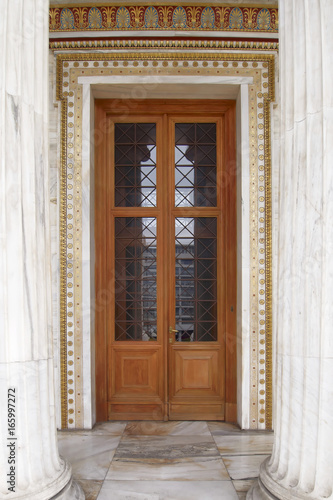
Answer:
x=90 y=487
x=89 y=455
x=183 y=469
x=245 y=444
x=223 y=429
x=243 y=466
x=242 y=487
x=167 y=429
x=166 y=447
x=167 y=490
x=165 y=460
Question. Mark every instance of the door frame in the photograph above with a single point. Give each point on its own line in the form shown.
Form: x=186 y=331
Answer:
x=228 y=108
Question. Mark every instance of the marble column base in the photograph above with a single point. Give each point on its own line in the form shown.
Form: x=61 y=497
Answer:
x=267 y=488
x=259 y=492
x=72 y=491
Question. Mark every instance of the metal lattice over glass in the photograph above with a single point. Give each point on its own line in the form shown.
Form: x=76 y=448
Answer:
x=196 y=279
x=135 y=283
x=135 y=164
x=195 y=164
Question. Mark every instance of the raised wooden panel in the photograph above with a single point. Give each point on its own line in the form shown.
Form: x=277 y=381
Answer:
x=136 y=411
x=196 y=373
x=135 y=371
x=195 y=411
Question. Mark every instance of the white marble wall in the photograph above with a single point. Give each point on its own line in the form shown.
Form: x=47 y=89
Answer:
x=302 y=462
x=29 y=449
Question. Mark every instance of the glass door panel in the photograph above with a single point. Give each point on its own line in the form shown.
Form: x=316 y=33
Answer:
x=136 y=278
x=135 y=164
x=196 y=279
x=195 y=164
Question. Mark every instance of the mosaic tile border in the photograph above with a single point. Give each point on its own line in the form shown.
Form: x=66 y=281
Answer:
x=261 y=67
x=163 y=17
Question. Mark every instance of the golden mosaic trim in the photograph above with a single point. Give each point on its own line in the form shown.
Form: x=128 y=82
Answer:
x=268 y=273
x=92 y=44
x=63 y=256
x=68 y=91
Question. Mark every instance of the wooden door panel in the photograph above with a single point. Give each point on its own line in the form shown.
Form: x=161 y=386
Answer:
x=134 y=371
x=193 y=411
x=135 y=382
x=196 y=373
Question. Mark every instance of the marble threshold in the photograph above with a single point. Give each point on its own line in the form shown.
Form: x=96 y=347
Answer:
x=165 y=460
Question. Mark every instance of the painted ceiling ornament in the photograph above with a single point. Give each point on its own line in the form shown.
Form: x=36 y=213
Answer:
x=250 y=17
x=193 y=17
x=137 y=17
x=222 y=17
x=151 y=18
x=109 y=17
x=236 y=19
x=81 y=17
x=208 y=18
x=264 y=20
x=54 y=16
x=95 y=18
x=67 y=19
x=179 y=18
x=123 y=18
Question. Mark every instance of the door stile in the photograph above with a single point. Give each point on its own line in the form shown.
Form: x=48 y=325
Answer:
x=230 y=195
x=110 y=251
x=100 y=267
x=164 y=195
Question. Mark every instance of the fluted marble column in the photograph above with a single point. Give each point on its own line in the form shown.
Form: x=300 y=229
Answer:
x=30 y=466
x=301 y=465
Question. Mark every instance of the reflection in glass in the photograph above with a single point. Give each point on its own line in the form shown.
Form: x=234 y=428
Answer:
x=135 y=164
x=135 y=282
x=196 y=279
x=195 y=164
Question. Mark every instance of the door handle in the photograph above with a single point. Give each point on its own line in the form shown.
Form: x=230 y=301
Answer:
x=171 y=331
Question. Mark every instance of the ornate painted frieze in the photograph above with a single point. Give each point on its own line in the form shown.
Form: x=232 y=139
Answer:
x=164 y=17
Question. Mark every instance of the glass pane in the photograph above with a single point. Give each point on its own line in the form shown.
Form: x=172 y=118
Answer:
x=195 y=164
x=135 y=283
x=196 y=279
x=135 y=164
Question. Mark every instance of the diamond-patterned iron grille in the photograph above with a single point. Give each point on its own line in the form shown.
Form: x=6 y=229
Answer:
x=196 y=279
x=135 y=282
x=195 y=164
x=135 y=164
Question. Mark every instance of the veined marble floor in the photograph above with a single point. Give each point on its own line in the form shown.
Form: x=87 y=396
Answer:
x=165 y=460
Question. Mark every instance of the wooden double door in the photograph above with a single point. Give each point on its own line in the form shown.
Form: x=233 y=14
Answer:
x=165 y=233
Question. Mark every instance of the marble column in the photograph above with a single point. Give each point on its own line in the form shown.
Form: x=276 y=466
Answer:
x=30 y=466
x=301 y=466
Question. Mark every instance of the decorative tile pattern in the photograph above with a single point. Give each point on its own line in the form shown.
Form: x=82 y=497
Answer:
x=161 y=18
x=71 y=66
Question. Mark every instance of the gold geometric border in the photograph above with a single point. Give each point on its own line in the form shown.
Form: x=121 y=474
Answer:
x=261 y=67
